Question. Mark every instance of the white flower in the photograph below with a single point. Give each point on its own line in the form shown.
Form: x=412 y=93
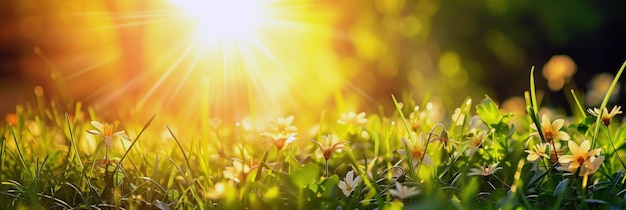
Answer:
x=353 y=119
x=606 y=115
x=417 y=150
x=283 y=125
x=106 y=131
x=349 y=183
x=539 y=150
x=403 y=192
x=484 y=171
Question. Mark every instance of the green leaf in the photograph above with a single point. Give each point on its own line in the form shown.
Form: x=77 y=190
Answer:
x=561 y=187
x=305 y=175
x=328 y=187
x=488 y=111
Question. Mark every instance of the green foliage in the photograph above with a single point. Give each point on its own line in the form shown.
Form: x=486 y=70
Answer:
x=481 y=160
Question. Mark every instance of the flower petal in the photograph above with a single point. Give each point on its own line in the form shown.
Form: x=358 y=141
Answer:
x=573 y=147
x=584 y=147
x=349 y=176
x=97 y=125
x=562 y=135
x=558 y=124
x=566 y=159
x=95 y=132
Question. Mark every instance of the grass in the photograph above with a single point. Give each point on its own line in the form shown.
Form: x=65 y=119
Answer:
x=478 y=158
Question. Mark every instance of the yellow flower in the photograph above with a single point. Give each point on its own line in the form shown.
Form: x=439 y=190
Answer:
x=551 y=129
x=106 y=131
x=417 y=150
x=280 y=139
x=581 y=156
x=484 y=171
x=606 y=115
x=283 y=125
x=239 y=171
x=539 y=150
x=596 y=162
x=403 y=192
x=353 y=119
x=349 y=183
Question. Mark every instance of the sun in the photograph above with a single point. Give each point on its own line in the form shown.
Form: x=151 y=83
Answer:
x=228 y=59
x=224 y=21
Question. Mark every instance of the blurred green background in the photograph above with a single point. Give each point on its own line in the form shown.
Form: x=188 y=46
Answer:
x=440 y=50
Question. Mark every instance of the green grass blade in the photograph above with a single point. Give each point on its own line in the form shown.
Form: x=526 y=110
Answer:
x=19 y=152
x=73 y=142
x=605 y=101
x=409 y=132
x=533 y=94
x=3 y=140
x=134 y=142
x=181 y=149
x=581 y=110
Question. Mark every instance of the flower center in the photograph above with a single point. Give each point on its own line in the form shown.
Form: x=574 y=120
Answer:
x=417 y=154
x=107 y=129
x=280 y=142
x=549 y=135
x=580 y=159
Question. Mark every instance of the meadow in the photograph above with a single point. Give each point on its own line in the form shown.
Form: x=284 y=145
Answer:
x=64 y=156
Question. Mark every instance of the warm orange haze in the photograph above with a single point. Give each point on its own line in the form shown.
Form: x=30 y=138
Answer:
x=312 y=104
x=182 y=57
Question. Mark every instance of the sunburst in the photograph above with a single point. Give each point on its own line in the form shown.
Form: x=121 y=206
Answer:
x=237 y=58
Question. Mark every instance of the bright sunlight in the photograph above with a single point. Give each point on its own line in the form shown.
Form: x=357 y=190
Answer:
x=223 y=20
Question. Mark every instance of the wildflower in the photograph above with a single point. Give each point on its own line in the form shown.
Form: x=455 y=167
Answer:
x=106 y=131
x=581 y=156
x=596 y=162
x=403 y=192
x=445 y=140
x=353 y=119
x=606 y=115
x=539 y=150
x=283 y=125
x=551 y=130
x=239 y=171
x=280 y=139
x=417 y=150
x=484 y=171
x=330 y=145
x=349 y=183
x=476 y=141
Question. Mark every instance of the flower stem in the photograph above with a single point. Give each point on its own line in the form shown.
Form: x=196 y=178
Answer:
x=326 y=168
x=278 y=161
x=608 y=134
